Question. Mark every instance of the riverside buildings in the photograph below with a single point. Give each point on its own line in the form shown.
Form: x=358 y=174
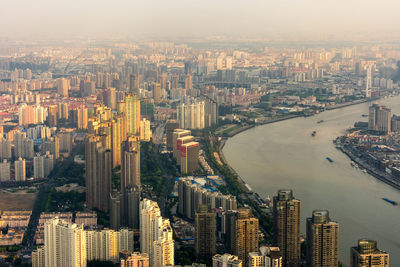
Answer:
x=287 y=227
x=379 y=118
x=206 y=233
x=367 y=254
x=192 y=196
x=322 y=240
x=244 y=234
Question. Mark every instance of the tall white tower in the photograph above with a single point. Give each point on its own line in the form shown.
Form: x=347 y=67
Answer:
x=368 y=82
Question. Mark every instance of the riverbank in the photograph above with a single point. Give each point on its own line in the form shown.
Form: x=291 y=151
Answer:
x=382 y=176
x=288 y=117
x=225 y=162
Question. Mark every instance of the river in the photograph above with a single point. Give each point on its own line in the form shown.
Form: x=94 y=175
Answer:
x=284 y=155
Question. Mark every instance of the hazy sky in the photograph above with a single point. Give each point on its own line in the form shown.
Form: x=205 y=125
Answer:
x=319 y=19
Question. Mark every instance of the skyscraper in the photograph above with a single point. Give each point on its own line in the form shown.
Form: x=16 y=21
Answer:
x=188 y=82
x=156 y=88
x=379 y=118
x=287 y=227
x=134 y=83
x=4 y=171
x=155 y=235
x=102 y=245
x=191 y=115
x=244 y=234
x=82 y=117
x=189 y=157
x=52 y=115
x=322 y=240
x=367 y=254
x=64 y=244
x=62 y=87
x=98 y=173
x=132 y=109
x=42 y=165
x=20 y=170
x=178 y=133
x=130 y=179
x=106 y=244
x=368 y=82
x=118 y=134
x=206 y=233
x=132 y=201
x=170 y=126
x=130 y=162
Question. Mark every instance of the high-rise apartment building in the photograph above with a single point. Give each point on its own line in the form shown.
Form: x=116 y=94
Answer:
x=102 y=245
x=179 y=143
x=379 y=118
x=367 y=254
x=5 y=149
x=130 y=163
x=64 y=244
x=266 y=257
x=82 y=117
x=189 y=157
x=38 y=258
x=4 y=171
x=287 y=227
x=170 y=127
x=178 y=133
x=134 y=83
x=106 y=244
x=226 y=260
x=156 y=88
x=368 y=82
x=132 y=201
x=132 y=109
x=52 y=112
x=130 y=181
x=191 y=115
x=145 y=131
x=38 y=167
x=20 y=170
x=244 y=235
x=322 y=240
x=189 y=82
x=98 y=173
x=192 y=196
x=210 y=113
x=115 y=210
x=155 y=235
x=63 y=111
x=63 y=87
x=118 y=134
x=23 y=146
x=205 y=237
x=110 y=98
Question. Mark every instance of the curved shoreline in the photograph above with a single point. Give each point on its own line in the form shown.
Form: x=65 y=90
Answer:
x=288 y=117
x=245 y=128
x=371 y=170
